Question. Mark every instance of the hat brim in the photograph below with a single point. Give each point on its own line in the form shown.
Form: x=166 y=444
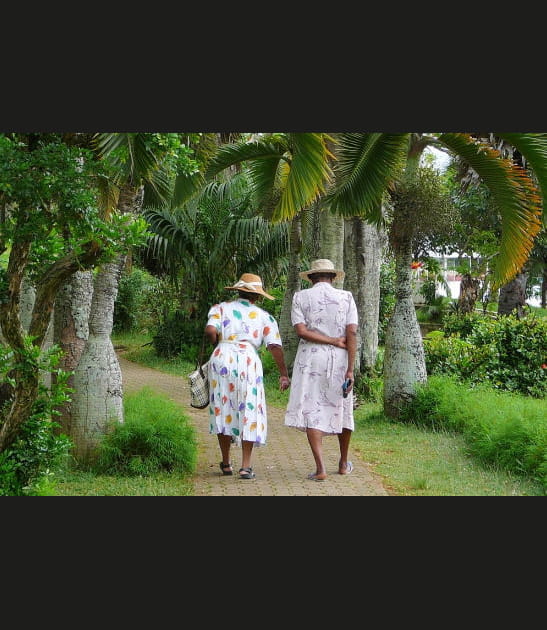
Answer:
x=339 y=274
x=263 y=293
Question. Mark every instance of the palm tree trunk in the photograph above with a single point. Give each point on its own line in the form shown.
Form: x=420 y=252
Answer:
x=332 y=239
x=286 y=330
x=469 y=293
x=71 y=331
x=363 y=253
x=404 y=358
x=512 y=297
x=98 y=396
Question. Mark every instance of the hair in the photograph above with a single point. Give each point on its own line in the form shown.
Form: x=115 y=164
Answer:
x=246 y=295
x=314 y=277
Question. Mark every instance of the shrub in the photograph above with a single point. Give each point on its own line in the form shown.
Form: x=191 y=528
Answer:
x=508 y=353
x=180 y=335
x=155 y=437
x=28 y=464
x=30 y=461
x=132 y=308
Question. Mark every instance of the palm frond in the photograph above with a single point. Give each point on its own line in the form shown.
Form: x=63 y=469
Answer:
x=533 y=146
x=516 y=196
x=367 y=164
x=108 y=195
x=231 y=154
x=186 y=187
x=308 y=176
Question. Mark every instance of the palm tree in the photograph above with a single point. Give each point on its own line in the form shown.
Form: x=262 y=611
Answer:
x=368 y=165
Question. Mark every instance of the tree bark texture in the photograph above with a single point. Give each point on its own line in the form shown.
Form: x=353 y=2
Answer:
x=98 y=396
x=288 y=336
x=71 y=330
x=469 y=293
x=404 y=357
x=512 y=298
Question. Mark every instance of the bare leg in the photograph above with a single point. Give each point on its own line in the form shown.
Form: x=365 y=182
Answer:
x=315 y=439
x=225 y=441
x=343 y=442
x=247 y=452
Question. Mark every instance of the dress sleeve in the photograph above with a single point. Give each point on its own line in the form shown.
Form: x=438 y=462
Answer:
x=213 y=317
x=270 y=331
x=352 y=317
x=297 y=315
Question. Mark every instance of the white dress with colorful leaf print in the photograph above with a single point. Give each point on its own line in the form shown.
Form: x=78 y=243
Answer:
x=236 y=380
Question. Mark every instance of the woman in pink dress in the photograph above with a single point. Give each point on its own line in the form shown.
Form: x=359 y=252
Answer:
x=325 y=319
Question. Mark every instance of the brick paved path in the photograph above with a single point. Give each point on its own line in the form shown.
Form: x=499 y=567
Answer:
x=281 y=466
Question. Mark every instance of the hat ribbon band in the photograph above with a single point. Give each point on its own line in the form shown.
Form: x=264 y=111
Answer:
x=247 y=285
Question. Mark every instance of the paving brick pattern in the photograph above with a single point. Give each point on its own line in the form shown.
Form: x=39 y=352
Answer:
x=281 y=465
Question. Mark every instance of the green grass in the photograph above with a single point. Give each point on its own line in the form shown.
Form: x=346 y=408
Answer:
x=85 y=484
x=415 y=461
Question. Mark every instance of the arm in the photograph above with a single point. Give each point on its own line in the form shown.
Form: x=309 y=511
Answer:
x=211 y=334
x=277 y=354
x=317 y=337
x=351 y=345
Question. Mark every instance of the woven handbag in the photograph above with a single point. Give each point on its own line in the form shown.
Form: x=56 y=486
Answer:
x=199 y=382
x=199 y=386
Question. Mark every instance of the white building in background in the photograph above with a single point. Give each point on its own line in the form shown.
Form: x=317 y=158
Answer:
x=453 y=280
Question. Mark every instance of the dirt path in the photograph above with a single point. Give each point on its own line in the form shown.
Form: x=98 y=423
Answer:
x=281 y=466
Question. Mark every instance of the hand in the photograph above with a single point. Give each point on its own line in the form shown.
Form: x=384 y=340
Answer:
x=284 y=383
x=339 y=342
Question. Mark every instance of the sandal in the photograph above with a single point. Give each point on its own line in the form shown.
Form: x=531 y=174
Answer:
x=316 y=477
x=223 y=467
x=246 y=473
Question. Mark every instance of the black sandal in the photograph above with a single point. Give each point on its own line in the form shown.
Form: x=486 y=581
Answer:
x=226 y=472
x=246 y=473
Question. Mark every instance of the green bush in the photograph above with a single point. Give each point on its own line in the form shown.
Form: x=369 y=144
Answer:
x=132 y=308
x=28 y=464
x=500 y=428
x=508 y=353
x=155 y=437
x=179 y=335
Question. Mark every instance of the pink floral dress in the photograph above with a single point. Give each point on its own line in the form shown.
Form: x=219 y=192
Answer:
x=315 y=398
x=236 y=379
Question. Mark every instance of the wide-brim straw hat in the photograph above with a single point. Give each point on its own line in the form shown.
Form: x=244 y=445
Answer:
x=250 y=284
x=322 y=265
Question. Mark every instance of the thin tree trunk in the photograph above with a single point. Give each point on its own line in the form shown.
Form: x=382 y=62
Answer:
x=286 y=330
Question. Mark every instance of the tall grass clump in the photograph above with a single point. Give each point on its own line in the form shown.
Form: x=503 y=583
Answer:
x=500 y=428
x=155 y=437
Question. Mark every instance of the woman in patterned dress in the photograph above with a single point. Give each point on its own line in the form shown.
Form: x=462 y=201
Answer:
x=237 y=410
x=325 y=319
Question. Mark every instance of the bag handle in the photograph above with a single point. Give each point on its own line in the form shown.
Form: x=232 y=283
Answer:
x=200 y=355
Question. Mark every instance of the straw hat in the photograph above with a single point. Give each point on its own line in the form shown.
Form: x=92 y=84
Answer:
x=251 y=284
x=322 y=265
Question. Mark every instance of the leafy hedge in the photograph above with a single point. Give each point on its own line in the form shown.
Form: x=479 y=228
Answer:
x=508 y=353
